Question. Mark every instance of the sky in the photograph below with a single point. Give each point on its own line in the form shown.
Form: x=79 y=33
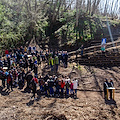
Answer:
x=116 y=5
x=102 y=5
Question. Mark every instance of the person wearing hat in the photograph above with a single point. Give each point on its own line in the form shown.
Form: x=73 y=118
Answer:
x=105 y=88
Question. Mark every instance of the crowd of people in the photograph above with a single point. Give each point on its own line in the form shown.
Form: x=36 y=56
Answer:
x=19 y=66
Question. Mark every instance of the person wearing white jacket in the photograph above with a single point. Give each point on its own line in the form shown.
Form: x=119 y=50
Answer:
x=75 y=85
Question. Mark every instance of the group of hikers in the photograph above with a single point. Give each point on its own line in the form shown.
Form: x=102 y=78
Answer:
x=20 y=65
x=53 y=86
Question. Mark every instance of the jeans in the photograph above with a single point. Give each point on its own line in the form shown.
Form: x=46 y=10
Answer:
x=41 y=88
x=67 y=91
x=51 y=67
x=51 y=91
x=62 y=90
x=71 y=91
x=57 y=89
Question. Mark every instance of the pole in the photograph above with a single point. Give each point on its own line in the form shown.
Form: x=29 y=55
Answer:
x=111 y=37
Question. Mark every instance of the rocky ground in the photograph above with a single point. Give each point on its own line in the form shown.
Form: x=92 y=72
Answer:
x=90 y=104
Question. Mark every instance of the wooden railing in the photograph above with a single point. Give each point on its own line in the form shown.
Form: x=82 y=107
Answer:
x=94 y=49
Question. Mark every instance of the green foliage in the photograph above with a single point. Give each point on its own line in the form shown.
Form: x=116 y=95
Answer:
x=20 y=21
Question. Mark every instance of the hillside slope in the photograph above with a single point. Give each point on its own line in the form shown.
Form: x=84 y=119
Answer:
x=90 y=104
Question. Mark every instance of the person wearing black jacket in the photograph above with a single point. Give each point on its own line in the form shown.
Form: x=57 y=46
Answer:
x=5 y=63
x=57 y=87
x=23 y=76
x=46 y=88
x=111 y=84
x=29 y=77
x=20 y=81
x=105 y=88
x=33 y=87
x=31 y=63
x=51 y=84
x=8 y=59
x=46 y=78
x=3 y=79
x=65 y=59
x=38 y=59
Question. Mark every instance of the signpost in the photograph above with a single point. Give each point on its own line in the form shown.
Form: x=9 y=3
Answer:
x=103 y=41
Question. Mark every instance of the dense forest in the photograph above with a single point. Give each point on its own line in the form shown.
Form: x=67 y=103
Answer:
x=56 y=22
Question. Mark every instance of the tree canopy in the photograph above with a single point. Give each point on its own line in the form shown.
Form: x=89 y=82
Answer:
x=61 y=20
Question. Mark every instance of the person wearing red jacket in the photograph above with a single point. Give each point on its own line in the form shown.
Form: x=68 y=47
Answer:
x=35 y=79
x=6 y=53
x=62 y=87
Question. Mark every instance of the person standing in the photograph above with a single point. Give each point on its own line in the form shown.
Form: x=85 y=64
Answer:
x=51 y=63
x=41 y=84
x=29 y=77
x=35 y=67
x=46 y=88
x=82 y=49
x=6 y=53
x=8 y=60
x=23 y=76
x=62 y=87
x=38 y=59
x=29 y=49
x=31 y=63
x=75 y=85
x=56 y=62
x=65 y=59
x=3 y=79
x=67 y=88
x=105 y=88
x=9 y=81
x=6 y=74
x=111 y=84
x=33 y=87
x=71 y=88
x=25 y=49
x=51 y=84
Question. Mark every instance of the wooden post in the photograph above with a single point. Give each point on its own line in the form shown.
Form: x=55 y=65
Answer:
x=107 y=94
x=113 y=94
x=94 y=49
